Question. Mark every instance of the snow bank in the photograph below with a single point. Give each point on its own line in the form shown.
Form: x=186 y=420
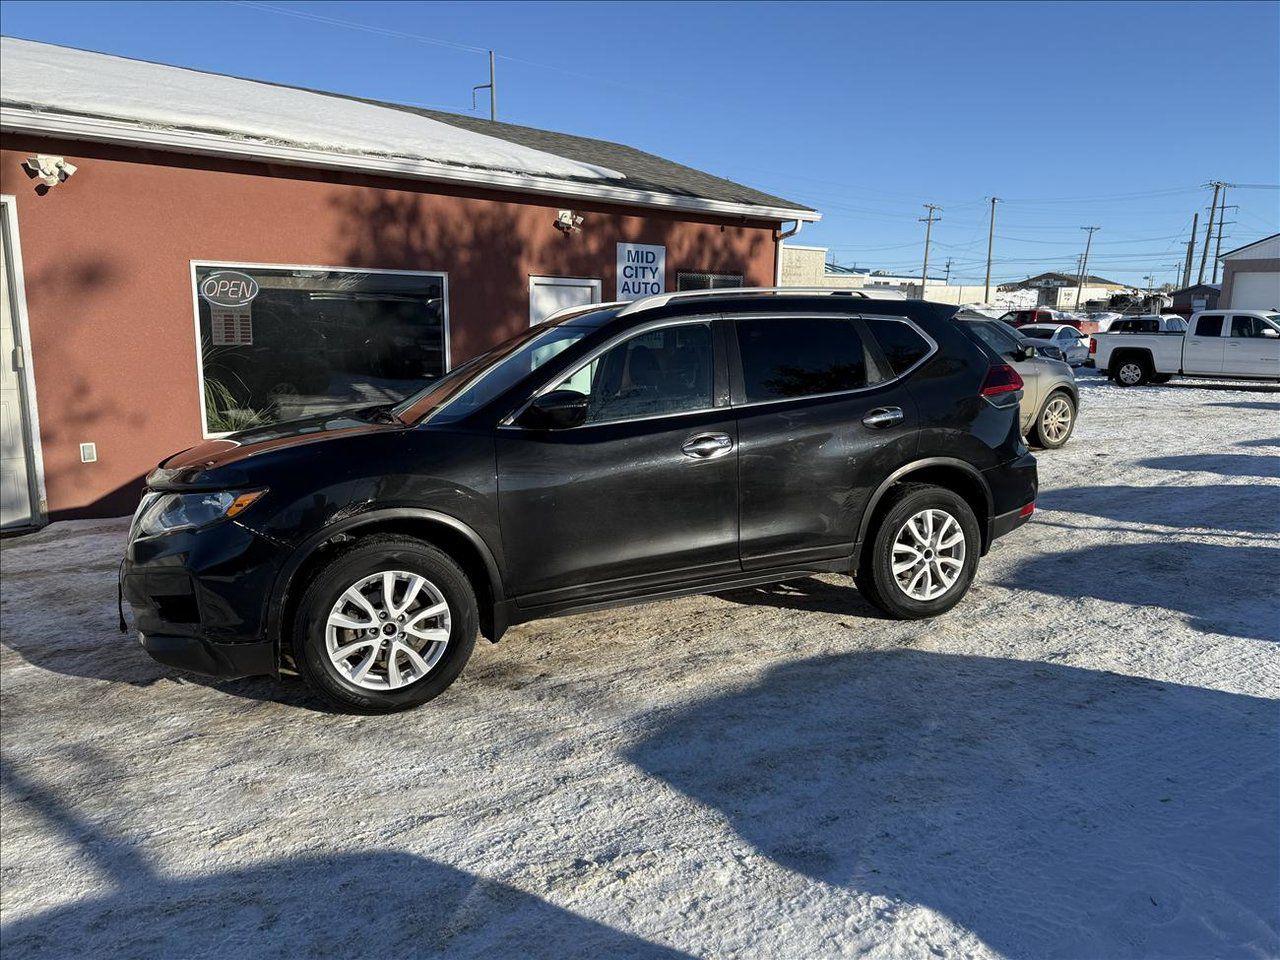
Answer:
x=51 y=78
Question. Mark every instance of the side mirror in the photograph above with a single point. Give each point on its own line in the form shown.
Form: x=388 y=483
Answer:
x=557 y=410
x=1024 y=351
x=1271 y=332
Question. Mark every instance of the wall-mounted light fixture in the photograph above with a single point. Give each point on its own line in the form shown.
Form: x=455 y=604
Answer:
x=49 y=170
x=568 y=222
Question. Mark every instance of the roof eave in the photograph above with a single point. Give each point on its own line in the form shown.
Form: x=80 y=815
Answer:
x=104 y=130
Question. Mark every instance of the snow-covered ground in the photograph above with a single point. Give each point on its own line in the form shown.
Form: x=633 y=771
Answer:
x=1079 y=761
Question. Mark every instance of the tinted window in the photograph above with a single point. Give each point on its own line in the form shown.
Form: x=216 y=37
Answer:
x=796 y=357
x=903 y=347
x=1209 y=326
x=1248 y=326
x=995 y=338
x=660 y=372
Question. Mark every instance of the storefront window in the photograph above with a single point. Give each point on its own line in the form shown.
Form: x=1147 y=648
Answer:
x=278 y=343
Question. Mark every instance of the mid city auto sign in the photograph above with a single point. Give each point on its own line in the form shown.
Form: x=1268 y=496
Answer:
x=642 y=270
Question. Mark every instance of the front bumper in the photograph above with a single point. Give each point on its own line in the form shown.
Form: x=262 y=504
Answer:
x=199 y=598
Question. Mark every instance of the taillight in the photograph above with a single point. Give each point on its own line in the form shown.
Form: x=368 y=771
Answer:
x=1001 y=378
x=1093 y=345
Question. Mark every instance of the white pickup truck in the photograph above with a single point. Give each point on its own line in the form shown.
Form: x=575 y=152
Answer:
x=1220 y=344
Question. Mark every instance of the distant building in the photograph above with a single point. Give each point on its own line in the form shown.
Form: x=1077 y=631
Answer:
x=1251 y=275
x=1198 y=296
x=1059 y=290
x=805 y=266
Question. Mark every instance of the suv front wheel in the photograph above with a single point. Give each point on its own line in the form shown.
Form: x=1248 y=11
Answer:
x=923 y=555
x=385 y=626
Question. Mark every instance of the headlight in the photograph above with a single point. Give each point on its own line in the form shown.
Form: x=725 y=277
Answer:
x=167 y=512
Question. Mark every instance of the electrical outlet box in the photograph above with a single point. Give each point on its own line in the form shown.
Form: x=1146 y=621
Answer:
x=88 y=453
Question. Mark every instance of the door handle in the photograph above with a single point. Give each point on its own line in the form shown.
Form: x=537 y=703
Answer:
x=707 y=446
x=882 y=417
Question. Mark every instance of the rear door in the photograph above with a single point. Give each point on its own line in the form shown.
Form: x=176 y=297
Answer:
x=822 y=417
x=1202 y=345
x=1250 y=349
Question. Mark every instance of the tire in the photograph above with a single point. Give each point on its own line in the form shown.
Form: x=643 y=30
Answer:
x=413 y=657
x=1056 y=421
x=875 y=577
x=1131 y=372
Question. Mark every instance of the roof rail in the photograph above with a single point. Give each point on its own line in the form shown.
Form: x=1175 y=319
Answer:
x=565 y=312
x=662 y=299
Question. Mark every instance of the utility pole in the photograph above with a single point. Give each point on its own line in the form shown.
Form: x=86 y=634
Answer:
x=1191 y=249
x=1084 y=263
x=492 y=87
x=1222 y=222
x=928 y=230
x=1208 y=234
x=947 y=266
x=991 y=235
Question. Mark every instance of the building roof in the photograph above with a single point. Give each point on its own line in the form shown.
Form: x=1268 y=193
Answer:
x=1062 y=279
x=1195 y=287
x=1232 y=253
x=83 y=95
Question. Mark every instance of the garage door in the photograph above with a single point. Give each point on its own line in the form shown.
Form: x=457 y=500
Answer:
x=549 y=294
x=1256 y=291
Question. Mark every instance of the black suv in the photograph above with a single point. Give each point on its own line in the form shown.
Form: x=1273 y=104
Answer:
x=679 y=444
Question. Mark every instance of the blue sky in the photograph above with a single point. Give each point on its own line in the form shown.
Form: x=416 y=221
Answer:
x=1077 y=114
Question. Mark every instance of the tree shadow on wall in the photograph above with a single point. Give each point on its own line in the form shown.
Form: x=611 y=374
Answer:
x=1050 y=810
x=490 y=248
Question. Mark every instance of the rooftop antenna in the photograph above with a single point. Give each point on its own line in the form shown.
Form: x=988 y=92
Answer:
x=492 y=87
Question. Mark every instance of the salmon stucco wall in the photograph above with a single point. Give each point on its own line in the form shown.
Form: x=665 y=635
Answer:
x=108 y=254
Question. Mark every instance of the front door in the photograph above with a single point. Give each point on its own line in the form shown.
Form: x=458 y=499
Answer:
x=1202 y=345
x=816 y=433
x=644 y=492
x=548 y=295
x=17 y=500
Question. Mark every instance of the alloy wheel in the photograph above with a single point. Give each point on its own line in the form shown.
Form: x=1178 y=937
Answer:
x=928 y=554
x=1055 y=422
x=1130 y=374
x=387 y=630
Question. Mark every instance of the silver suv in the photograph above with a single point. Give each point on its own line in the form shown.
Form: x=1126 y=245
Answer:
x=1050 y=399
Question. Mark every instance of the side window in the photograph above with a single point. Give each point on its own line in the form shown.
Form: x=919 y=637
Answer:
x=800 y=356
x=995 y=338
x=1209 y=326
x=1246 y=326
x=1066 y=333
x=660 y=372
x=903 y=347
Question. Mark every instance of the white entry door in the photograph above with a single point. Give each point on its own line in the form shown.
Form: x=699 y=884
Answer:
x=549 y=294
x=17 y=480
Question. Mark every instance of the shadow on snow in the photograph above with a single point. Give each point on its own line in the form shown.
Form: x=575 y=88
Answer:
x=1223 y=464
x=1244 y=508
x=1052 y=811
x=372 y=904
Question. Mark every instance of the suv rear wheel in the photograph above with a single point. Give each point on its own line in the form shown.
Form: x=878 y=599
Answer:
x=923 y=555
x=385 y=626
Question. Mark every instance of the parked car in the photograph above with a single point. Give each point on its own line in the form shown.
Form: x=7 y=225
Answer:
x=1050 y=398
x=1103 y=318
x=1020 y=318
x=1148 y=323
x=1073 y=346
x=680 y=444
x=1222 y=344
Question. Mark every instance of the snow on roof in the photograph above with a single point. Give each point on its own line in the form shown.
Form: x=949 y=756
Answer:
x=50 y=78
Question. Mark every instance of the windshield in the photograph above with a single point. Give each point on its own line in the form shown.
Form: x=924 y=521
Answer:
x=480 y=379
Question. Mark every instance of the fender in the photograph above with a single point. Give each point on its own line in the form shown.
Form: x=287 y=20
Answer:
x=912 y=467
x=284 y=580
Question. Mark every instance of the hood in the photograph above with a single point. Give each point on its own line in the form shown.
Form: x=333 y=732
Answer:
x=189 y=467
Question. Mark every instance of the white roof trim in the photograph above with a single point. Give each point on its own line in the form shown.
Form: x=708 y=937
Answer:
x=102 y=130
x=1247 y=246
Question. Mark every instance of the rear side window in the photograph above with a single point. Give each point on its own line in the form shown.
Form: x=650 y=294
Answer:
x=799 y=357
x=1209 y=326
x=995 y=338
x=901 y=344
